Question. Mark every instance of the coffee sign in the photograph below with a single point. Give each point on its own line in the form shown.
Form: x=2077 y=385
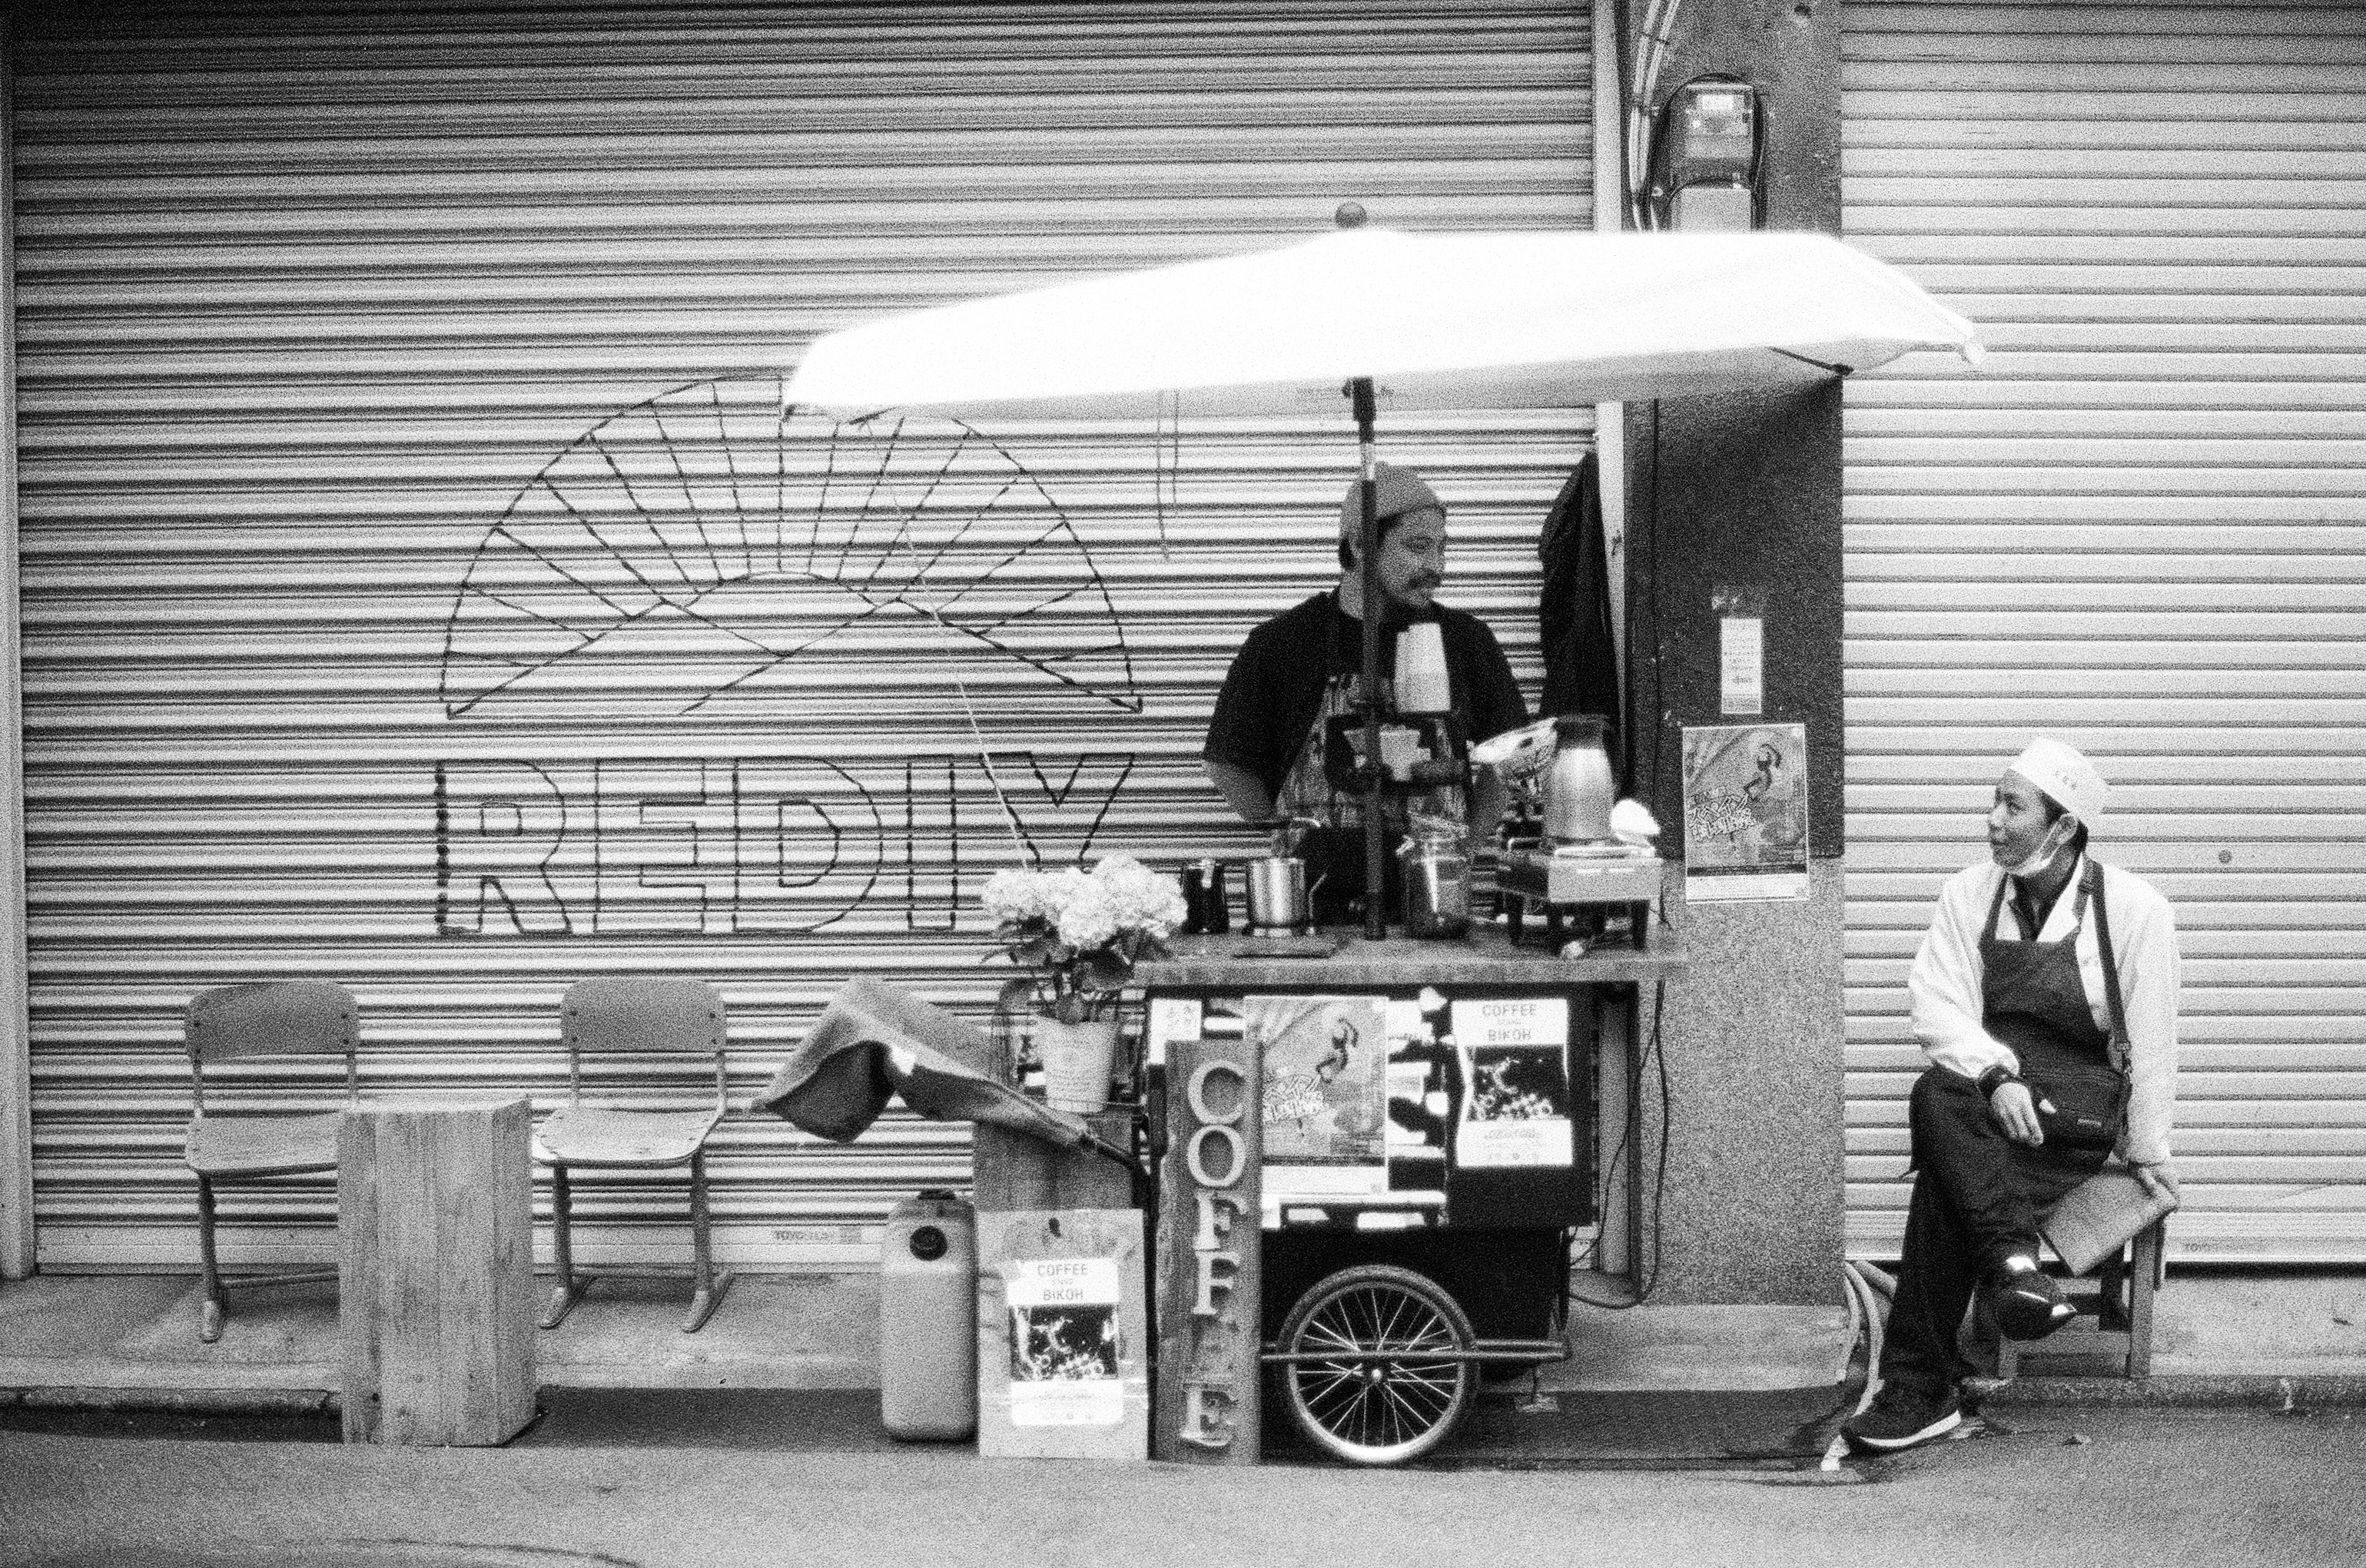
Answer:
x=1208 y=1256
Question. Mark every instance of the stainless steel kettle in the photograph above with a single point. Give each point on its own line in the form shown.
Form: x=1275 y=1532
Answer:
x=1580 y=789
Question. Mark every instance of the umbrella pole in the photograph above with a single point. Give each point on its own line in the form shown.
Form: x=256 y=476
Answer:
x=1376 y=924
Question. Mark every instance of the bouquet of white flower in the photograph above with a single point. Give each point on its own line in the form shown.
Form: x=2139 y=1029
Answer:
x=1081 y=932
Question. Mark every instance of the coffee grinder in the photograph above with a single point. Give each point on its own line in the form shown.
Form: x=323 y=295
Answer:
x=1562 y=862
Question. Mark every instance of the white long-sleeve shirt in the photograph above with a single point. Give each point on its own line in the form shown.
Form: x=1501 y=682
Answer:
x=1944 y=987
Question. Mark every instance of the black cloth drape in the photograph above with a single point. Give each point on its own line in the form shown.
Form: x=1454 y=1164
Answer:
x=1573 y=616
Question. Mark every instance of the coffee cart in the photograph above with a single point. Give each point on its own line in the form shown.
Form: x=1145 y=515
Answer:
x=1374 y=1156
x=1412 y=1236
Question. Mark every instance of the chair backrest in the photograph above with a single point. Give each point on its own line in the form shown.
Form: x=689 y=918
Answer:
x=643 y=1015
x=273 y=1018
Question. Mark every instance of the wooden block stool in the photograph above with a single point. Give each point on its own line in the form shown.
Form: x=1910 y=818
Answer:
x=2115 y=1312
x=435 y=1250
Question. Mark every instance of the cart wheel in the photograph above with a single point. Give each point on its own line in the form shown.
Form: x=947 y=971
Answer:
x=1383 y=1401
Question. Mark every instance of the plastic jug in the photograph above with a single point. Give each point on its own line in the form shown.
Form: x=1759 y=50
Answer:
x=927 y=1318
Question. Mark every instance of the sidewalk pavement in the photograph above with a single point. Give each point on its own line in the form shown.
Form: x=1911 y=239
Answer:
x=788 y=1360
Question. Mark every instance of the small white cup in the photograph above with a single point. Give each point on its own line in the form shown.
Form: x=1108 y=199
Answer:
x=1421 y=669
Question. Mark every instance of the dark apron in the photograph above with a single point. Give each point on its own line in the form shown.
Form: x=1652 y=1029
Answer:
x=2033 y=1000
x=1333 y=850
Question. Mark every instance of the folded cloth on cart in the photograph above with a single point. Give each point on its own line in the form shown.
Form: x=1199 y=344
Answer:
x=873 y=1042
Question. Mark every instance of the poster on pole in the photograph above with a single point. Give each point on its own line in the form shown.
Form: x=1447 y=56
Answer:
x=1745 y=812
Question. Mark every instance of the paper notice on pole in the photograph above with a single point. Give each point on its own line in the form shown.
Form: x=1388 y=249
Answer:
x=1740 y=610
x=1065 y=1342
x=1741 y=665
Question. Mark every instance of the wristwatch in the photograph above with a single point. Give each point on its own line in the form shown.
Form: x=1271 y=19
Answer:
x=1995 y=1076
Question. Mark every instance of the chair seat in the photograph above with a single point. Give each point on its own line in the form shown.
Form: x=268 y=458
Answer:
x=583 y=1135
x=263 y=1146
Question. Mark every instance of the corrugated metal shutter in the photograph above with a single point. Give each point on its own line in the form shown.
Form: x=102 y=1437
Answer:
x=421 y=592
x=2143 y=528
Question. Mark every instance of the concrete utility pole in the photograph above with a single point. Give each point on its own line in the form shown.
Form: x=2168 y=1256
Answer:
x=16 y=1051
x=1729 y=492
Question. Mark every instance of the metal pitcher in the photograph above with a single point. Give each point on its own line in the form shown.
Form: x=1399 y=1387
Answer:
x=1279 y=901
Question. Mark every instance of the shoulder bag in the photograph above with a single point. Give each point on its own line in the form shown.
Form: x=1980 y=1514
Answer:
x=2080 y=1104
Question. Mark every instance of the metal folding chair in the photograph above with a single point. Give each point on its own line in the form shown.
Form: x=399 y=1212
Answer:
x=284 y=1018
x=640 y=1021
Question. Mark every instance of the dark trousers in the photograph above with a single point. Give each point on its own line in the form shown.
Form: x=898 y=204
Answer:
x=1978 y=1196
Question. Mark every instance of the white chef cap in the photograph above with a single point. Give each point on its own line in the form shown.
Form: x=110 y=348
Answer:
x=2069 y=780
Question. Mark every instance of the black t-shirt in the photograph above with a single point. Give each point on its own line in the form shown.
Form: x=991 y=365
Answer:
x=1275 y=687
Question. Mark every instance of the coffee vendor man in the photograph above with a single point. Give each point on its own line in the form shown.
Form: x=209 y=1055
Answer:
x=1265 y=744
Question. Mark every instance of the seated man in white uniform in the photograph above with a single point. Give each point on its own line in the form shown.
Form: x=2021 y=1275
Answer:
x=2045 y=997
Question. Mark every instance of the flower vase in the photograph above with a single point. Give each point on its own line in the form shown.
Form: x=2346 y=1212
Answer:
x=1078 y=1060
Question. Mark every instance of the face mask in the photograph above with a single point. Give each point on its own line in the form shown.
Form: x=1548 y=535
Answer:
x=2047 y=848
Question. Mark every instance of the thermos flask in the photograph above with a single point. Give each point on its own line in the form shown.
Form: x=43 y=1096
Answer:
x=927 y=1318
x=1579 y=784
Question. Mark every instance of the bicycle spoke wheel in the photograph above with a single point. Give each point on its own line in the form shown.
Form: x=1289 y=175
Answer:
x=1392 y=1392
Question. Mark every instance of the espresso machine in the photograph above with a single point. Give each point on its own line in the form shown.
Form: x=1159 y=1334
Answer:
x=1563 y=861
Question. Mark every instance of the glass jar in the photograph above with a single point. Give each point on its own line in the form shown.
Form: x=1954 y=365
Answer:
x=1436 y=865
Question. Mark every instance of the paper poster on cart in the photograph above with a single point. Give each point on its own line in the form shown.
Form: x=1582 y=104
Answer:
x=1745 y=812
x=1326 y=1078
x=1064 y=1348
x=1516 y=1111
x=1516 y=1105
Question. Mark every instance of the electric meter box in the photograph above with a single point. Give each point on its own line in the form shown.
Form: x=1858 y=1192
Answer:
x=1704 y=155
x=928 y=1319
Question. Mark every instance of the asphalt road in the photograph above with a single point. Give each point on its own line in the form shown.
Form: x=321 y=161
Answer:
x=2139 y=1487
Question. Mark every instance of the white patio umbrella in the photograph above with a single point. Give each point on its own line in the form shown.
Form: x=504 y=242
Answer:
x=1435 y=320
x=1400 y=322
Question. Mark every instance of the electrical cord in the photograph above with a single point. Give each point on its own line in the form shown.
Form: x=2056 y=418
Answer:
x=1864 y=1286
x=1647 y=1278
x=1640 y=60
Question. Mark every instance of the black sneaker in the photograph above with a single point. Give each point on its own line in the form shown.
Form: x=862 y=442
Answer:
x=1899 y=1418
x=2024 y=1301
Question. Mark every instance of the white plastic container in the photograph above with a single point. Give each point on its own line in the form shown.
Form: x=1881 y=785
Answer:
x=928 y=1319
